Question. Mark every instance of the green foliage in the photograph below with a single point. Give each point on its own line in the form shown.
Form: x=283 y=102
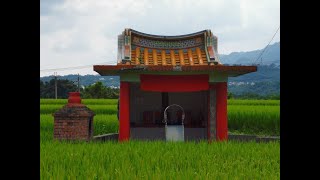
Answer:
x=98 y=91
x=47 y=89
x=94 y=91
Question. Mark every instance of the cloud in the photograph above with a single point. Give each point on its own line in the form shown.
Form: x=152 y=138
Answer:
x=83 y=32
x=47 y=6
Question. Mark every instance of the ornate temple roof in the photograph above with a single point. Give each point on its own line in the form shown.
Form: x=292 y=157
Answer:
x=191 y=52
x=137 y=48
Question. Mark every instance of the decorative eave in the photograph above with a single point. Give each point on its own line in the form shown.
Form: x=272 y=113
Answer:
x=106 y=70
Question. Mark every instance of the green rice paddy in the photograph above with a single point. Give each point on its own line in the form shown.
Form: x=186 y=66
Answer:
x=163 y=160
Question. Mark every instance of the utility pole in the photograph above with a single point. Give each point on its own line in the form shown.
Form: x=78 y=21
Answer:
x=55 y=85
x=78 y=82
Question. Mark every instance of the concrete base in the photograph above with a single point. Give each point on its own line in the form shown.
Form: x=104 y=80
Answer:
x=233 y=137
x=107 y=137
x=158 y=133
x=174 y=132
x=252 y=138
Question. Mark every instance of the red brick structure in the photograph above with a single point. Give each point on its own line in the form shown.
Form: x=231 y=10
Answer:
x=74 y=121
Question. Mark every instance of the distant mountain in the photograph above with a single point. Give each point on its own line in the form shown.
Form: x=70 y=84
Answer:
x=270 y=56
x=264 y=73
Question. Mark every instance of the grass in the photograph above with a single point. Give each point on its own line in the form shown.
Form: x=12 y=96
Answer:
x=254 y=102
x=250 y=119
x=159 y=160
x=162 y=160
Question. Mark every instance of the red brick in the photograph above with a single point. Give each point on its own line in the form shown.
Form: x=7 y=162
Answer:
x=72 y=122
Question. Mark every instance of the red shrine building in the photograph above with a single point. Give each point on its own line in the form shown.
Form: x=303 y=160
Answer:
x=171 y=81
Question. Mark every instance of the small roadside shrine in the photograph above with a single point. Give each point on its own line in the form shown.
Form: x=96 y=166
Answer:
x=171 y=87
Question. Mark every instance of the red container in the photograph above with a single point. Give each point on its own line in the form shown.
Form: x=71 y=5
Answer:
x=74 y=98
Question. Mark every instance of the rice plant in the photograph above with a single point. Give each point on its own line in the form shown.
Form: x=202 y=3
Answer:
x=254 y=102
x=254 y=119
x=159 y=160
x=98 y=109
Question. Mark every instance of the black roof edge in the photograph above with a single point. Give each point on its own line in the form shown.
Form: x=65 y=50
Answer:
x=167 y=37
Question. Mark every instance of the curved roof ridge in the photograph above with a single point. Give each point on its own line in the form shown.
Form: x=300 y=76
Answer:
x=168 y=37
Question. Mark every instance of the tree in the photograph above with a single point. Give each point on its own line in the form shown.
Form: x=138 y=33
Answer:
x=94 y=91
x=230 y=95
x=99 y=91
x=47 y=89
x=41 y=87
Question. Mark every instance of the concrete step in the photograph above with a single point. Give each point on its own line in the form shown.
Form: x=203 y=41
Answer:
x=236 y=137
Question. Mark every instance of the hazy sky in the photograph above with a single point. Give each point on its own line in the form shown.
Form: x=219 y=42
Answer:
x=84 y=32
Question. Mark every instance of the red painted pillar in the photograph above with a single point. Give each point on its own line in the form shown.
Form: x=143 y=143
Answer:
x=124 y=108
x=222 y=120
